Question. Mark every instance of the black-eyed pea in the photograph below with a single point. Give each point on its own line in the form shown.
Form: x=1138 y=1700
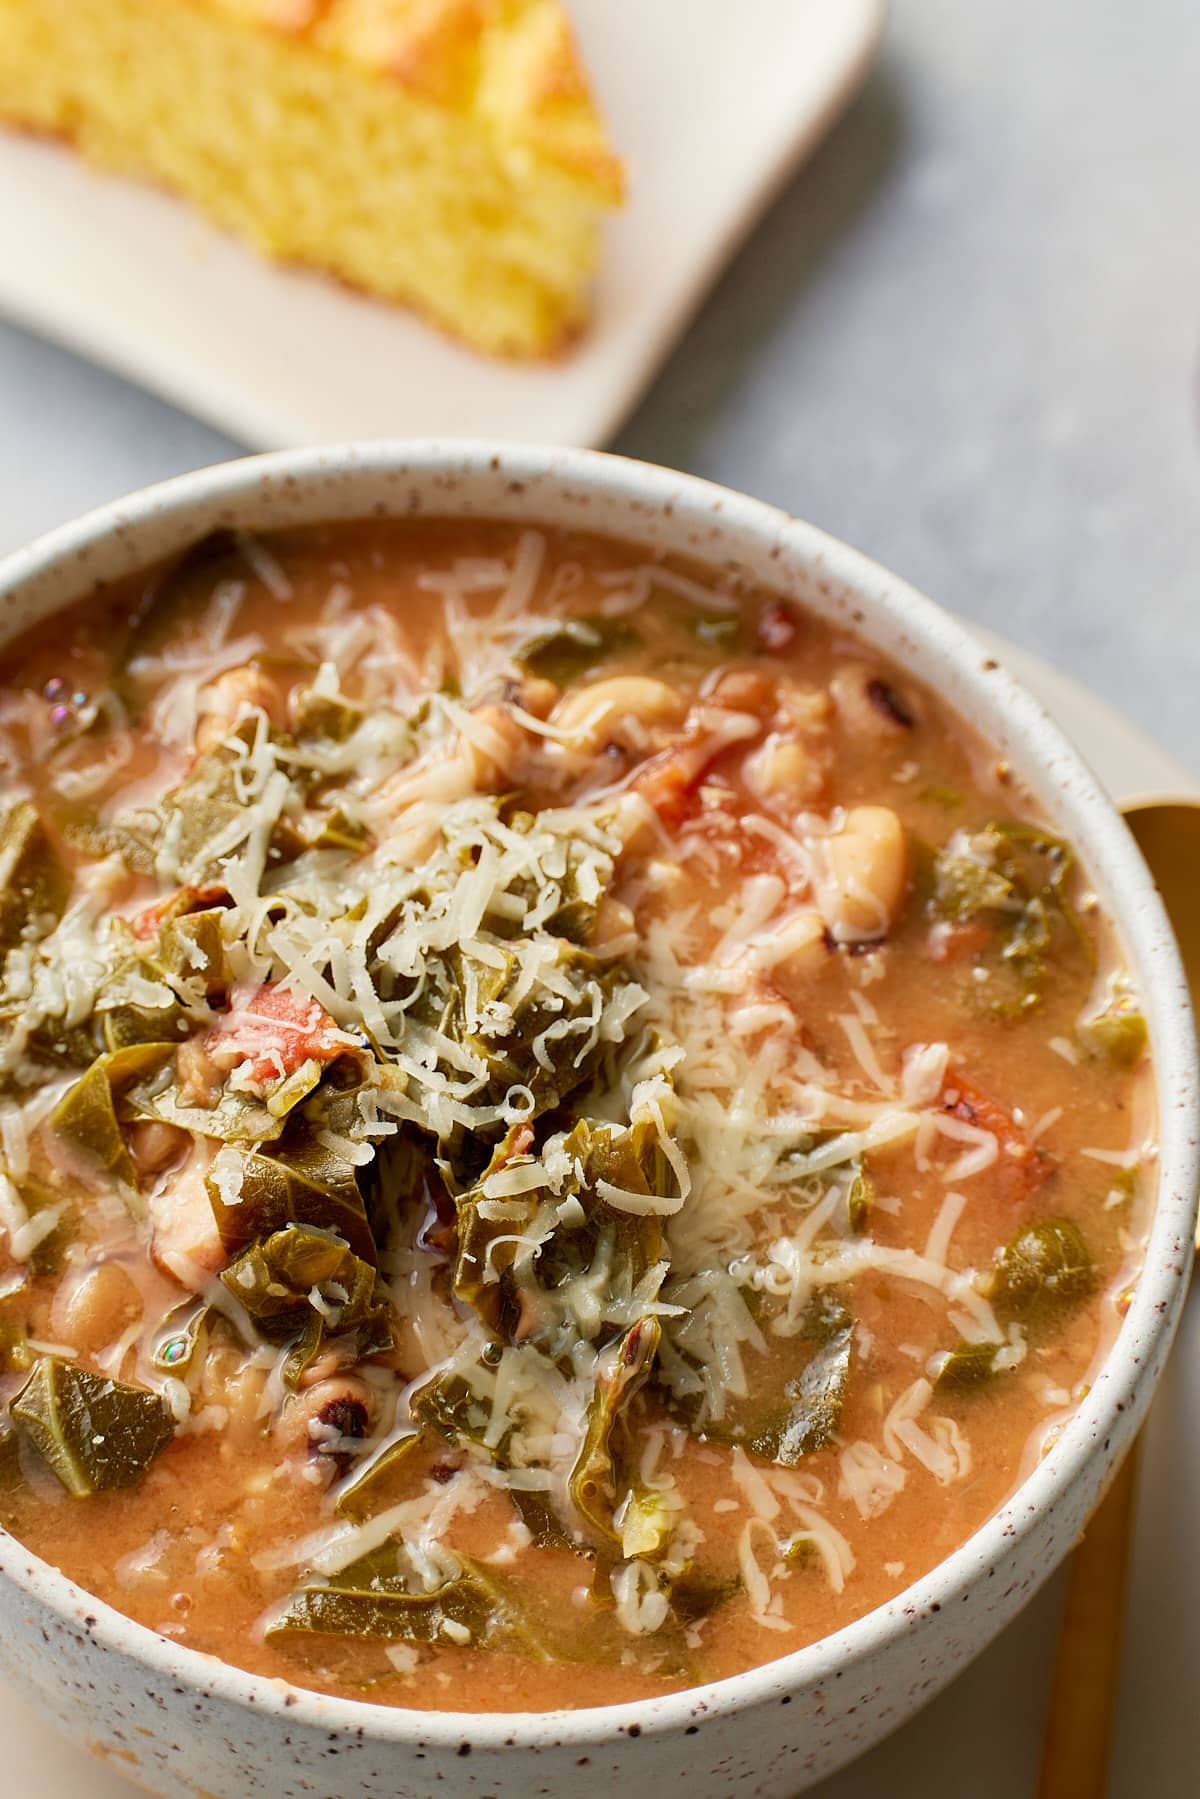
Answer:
x=868 y=704
x=867 y=863
x=96 y=1306
x=324 y=1419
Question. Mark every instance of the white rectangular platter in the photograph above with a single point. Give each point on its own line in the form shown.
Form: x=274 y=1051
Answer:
x=710 y=104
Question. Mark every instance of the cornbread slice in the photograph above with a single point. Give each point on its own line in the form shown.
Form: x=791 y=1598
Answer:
x=444 y=153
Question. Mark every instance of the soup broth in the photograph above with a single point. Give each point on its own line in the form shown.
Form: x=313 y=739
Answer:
x=566 y=1130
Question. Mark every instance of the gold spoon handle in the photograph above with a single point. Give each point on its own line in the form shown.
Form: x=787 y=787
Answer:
x=1087 y=1665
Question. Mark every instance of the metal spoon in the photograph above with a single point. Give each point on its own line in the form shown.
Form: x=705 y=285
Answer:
x=1087 y=1664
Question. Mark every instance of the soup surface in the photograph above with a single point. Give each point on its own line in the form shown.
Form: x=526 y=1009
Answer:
x=566 y=1131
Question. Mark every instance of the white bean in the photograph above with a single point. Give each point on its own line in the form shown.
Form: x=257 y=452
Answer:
x=603 y=711
x=868 y=871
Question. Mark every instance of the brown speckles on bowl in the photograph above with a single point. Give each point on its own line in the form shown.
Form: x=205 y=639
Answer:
x=221 y=1734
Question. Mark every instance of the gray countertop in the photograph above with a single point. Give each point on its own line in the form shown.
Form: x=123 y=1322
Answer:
x=965 y=339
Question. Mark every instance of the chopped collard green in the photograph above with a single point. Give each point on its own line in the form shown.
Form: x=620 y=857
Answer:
x=1013 y=880
x=34 y=885
x=1042 y=1271
x=92 y=1432
x=425 y=1054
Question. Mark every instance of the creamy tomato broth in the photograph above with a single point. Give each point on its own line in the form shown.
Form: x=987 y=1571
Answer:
x=566 y=1129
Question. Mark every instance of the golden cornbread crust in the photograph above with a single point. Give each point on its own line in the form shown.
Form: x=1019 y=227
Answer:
x=443 y=153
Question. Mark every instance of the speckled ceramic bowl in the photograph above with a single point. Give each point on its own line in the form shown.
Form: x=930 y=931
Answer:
x=181 y=1723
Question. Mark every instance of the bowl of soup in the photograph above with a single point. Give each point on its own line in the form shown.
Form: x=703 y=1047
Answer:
x=597 y=1133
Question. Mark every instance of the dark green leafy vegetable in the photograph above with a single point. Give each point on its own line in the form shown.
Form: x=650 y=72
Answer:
x=816 y=1395
x=171 y=593
x=10 y=1459
x=859 y=1200
x=15 y=1354
x=275 y=1280
x=966 y=1365
x=695 y=1595
x=336 y=830
x=300 y=1182
x=36 y=1196
x=1045 y=1269
x=235 y=1117
x=808 y=1412
x=449 y=1405
x=533 y=1507
x=598 y=1484
x=569 y=647
x=370 y=1599
x=627 y=1245
x=324 y=716
x=360 y=1495
x=86 y=1115
x=1016 y=877
x=1119 y=1033
x=94 y=1433
x=304 y=1351
x=34 y=885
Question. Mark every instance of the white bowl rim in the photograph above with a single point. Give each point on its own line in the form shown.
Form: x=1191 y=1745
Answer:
x=1157 y=1300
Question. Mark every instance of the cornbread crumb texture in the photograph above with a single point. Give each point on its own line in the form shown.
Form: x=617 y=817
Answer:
x=443 y=153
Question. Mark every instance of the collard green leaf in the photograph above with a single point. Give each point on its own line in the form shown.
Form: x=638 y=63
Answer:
x=966 y=1366
x=365 y=1492
x=1044 y=1270
x=814 y=1397
x=34 y=885
x=11 y=1475
x=16 y=1356
x=300 y=1182
x=336 y=830
x=568 y=647
x=695 y=1595
x=191 y=952
x=275 y=1281
x=94 y=1433
x=1017 y=878
x=784 y=1420
x=37 y=1196
x=627 y=1244
x=172 y=592
x=133 y=838
x=533 y=1508
x=860 y=1199
x=1119 y=1033
x=370 y=1599
x=598 y=1484
x=86 y=1115
x=449 y=1405
x=235 y=1117
x=323 y=716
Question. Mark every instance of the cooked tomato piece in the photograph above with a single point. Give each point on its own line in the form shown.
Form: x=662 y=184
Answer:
x=1023 y=1166
x=275 y=1030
